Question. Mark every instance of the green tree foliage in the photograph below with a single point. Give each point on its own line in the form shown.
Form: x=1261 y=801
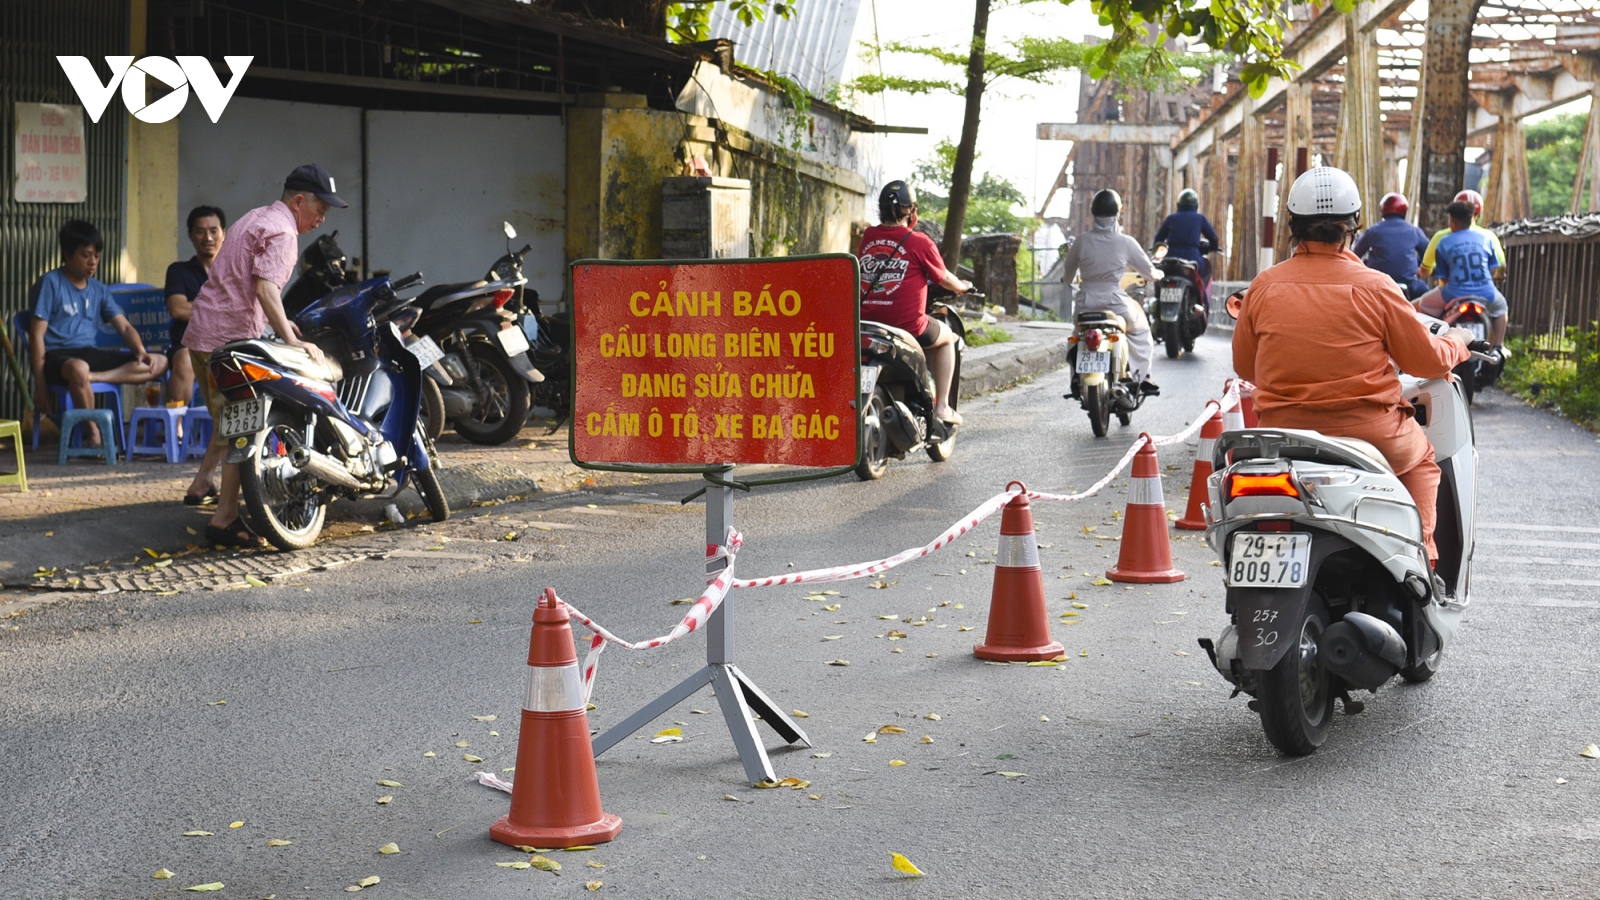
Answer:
x=691 y=22
x=1554 y=146
x=992 y=204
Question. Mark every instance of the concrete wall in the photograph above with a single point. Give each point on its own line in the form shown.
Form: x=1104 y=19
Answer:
x=618 y=152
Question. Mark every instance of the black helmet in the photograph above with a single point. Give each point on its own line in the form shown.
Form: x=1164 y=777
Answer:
x=1188 y=199
x=1106 y=203
x=895 y=201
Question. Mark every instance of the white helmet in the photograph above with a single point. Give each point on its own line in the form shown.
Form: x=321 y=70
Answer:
x=1324 y=191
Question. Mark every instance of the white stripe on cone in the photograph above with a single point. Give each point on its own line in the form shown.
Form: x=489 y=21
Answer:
x=1233 y=419
x=1145 y=492
x=553 y=689
x=1206 y=450
x=1018 y=551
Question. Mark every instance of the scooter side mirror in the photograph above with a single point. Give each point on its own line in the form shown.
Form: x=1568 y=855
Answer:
x=511 y=233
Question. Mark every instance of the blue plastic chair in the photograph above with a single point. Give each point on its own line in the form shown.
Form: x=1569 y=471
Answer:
x=197 y=427
x=62 y=398
x=71 y=420
x=147 y=419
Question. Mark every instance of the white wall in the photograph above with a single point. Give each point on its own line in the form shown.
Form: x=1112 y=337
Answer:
x=240 y=162
x=439 y=184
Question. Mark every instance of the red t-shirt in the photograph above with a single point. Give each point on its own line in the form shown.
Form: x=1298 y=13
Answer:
x=901 y=295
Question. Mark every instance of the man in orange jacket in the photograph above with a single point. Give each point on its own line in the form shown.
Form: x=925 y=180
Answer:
x=1318 y=331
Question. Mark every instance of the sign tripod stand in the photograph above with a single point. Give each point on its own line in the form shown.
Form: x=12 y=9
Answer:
x=736 y=693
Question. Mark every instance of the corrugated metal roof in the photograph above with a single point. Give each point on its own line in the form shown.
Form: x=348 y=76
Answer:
x=813 y=47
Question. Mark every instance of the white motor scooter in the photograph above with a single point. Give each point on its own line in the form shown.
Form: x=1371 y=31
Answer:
x=1101 y=380
x=1328 y=582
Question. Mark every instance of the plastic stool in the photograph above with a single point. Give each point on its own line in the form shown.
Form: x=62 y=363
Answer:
x=197 y=426
x=168 y=418
x=13 y=429
x=71 y=419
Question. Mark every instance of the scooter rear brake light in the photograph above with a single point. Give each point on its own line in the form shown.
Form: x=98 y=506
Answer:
x=1471 y=308
x=1278 y=484
x=503 y=296
x=1091 y=339
x=1274 y=525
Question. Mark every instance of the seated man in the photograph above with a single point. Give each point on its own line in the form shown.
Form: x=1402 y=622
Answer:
x=69 y=304
x=1467 y=240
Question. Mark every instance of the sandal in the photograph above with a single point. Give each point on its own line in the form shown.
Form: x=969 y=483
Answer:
x=235 y=534
x=210 y=496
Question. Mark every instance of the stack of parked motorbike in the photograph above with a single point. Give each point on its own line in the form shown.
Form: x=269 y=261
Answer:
x=488 y=352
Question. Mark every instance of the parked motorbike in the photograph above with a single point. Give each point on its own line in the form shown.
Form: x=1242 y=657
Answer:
x=897 y=394
x=1101 y=380
x=485 y=348
x=1328 y=585
x=324 y=268
x=1177 y=308
x=305 y=433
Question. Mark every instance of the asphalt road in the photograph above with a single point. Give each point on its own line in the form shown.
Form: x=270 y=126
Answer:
x=1140 y=777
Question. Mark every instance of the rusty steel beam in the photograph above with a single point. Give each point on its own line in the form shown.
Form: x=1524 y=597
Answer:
x=1108 y=132
x=1442 y=163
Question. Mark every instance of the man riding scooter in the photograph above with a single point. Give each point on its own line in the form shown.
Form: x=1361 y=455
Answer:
x=1188 y=234
x=1467 y=238
x=1394 y=246
x=1104 y=255
x=1316 y=334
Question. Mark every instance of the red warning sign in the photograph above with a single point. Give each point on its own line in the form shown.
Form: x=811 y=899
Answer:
x=705 y=363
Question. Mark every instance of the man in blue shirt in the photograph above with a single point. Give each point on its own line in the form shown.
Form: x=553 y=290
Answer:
x=1464 y=262
x=1395 y=246
x=69 y=304
x=1188 y=234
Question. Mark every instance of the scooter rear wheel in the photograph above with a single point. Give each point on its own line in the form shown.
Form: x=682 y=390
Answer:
x=1296 y=694
x=875 y=456
x=432 y=409
x=282 y=503
x=497 y=416
x=1097 y=399
x=1172 y=337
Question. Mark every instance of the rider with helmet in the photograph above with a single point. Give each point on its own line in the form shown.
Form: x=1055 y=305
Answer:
x=1394 y=246
x=1105 y=254
x=1188 y=235
x=897 y=265
x=1436 y=301
x=1317 y=332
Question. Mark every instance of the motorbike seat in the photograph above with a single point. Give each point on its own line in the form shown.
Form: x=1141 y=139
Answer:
x=294 y=359
x=434 y=292
x=1301 y=444
x=1094 y=317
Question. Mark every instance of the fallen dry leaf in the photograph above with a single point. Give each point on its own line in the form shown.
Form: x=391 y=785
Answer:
x=1013 y=774
x=890 y=617
x=901 y=864
x=681 y=601
x=1043 y=664
x=933 y=717
x=369 y=881
x=813 y=796
x=545 y=864
x=823 y=755
x=925 y=739
x=462 y=744
x=275 y=842
x=794 y=783
x=519 y=864
x=832 y=637
x=963 y=627
x=1102 y=581
x=577 y=848
x=385 y=798
x=833 y=608
x=471 y=759
x=871 y=738
x=389 y=849
x=387 y=783
x=668 y=736
x=427 y=754
x=254 y=581
x=838 y=662
x=218 y=703
x=1080 y=606
x=1084 y=652
x=197 y=834
x=891 y=729
x=896 y=634
x=730 y=797
x=489 y=718
x=206 y=888
x=1590 y=752
x=163 y=874
x=799 y=714
x=595 y=864
x=239 y=824
x=897 y=762
x=594 y=885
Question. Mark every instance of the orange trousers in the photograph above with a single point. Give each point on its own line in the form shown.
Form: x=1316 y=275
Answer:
x=1401 y=441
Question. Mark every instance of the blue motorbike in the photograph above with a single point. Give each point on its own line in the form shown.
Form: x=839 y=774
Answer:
x=305 y=433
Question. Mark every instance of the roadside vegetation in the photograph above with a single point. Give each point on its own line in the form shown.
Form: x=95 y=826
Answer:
x=979 y=335
x=1562 y=373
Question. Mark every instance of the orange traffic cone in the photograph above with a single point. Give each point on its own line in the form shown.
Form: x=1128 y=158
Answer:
x=555 y=798
x=1146 y=556
x=1247 y=405
x=1194 y=518
x=1019 y=624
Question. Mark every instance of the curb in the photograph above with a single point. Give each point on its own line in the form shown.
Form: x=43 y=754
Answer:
x=1007 y=367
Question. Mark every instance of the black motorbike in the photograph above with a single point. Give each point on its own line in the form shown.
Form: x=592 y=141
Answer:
x=485 y=344
x=897 y=395
x=1177 y=306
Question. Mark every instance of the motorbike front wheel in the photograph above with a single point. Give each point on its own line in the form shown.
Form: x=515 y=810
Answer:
x=427 y=484
x=1296 y=696
x=875 y=456
x=501 y=407
x=432 y=409
x=1097 y=400
x=944 y=449
x=1172 y=337
x=283 y=503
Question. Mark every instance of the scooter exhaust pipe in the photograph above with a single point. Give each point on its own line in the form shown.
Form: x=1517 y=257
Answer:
x=1363 y=650
x=323 y=467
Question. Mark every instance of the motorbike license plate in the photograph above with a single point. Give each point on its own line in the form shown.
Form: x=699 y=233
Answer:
x=1260 y=559
x=869 y=379
x=1094 y=361
x=426 y=351
x=513 y=341
x=1479 y=332
x=243 y=417
x=1171 y=303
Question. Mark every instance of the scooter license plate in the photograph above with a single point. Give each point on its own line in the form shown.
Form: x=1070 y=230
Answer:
x=1269 y=560
x=513 y=341
x=243 y=417
x=1094 y=361
x=426 y=351
x=1171 y=303
x=869 y=379
x=1479 y=332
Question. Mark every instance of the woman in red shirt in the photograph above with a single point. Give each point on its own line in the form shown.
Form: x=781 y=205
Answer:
x=897 y=265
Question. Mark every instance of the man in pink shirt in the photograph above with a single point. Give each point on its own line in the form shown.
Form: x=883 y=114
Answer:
x=240 y=299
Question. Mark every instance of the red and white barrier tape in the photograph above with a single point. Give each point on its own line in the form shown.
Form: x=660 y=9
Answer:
x=722 y=582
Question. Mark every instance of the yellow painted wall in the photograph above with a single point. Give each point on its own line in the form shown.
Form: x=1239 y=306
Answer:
x=152 y=182
x=617 y=153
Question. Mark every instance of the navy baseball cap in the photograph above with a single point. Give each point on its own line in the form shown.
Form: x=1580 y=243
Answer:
x=314 y=178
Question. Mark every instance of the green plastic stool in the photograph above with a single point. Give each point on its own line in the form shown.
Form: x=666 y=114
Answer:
x=73 y=418
x=13 y=429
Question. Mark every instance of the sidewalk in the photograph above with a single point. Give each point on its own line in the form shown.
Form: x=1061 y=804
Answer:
x=88 y=512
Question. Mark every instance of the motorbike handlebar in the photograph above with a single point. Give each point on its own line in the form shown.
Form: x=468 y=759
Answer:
x=1479 y=346
x=412 y=280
